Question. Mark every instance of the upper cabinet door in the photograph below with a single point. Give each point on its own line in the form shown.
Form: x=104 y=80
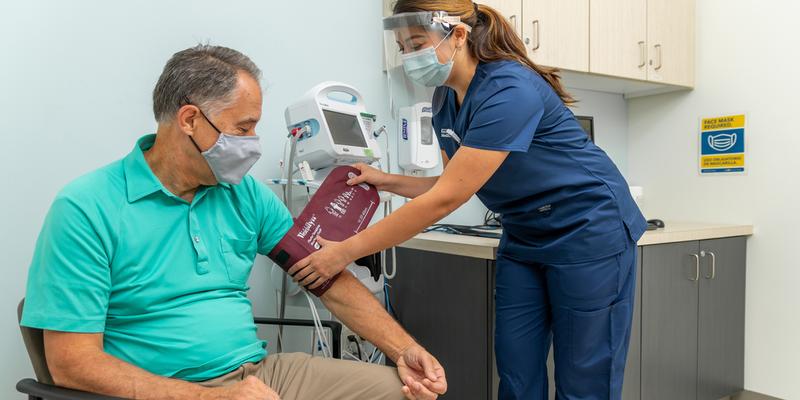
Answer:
x=619 y=38
x=671 y=41
x=511 y=9
x=556 y=33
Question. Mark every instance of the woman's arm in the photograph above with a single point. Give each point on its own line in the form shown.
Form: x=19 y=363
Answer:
x=406 y=186
x=465 y=174
x=410 y=186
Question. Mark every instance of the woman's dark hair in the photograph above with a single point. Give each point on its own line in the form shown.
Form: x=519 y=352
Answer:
x=492 y=37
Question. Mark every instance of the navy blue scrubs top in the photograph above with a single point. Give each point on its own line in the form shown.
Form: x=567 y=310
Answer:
x=562 y=198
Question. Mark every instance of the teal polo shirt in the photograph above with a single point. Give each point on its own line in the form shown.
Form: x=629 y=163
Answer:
x=164 y=280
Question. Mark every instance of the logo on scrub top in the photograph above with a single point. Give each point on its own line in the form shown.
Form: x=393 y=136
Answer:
x=405 y=128
x=449 y=133
x=722 y=142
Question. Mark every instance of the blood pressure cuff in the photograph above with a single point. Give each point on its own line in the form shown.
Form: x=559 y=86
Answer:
x=336 y=212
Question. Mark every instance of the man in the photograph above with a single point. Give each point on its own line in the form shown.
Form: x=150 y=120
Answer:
x=139 y=274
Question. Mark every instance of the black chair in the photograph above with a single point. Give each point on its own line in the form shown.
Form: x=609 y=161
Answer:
x=43 y=388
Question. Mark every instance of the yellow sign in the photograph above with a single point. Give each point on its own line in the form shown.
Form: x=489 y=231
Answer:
x=722 y=144
x=729 y=122
x=725 y=161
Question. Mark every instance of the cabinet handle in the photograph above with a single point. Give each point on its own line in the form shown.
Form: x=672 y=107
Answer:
x=642 y=54
x=513 y=20
x=537 y=39
x=713 y=263
x=659 y=56
x=696 y=268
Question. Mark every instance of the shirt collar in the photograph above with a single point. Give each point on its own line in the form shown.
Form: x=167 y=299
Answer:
x=139 y=178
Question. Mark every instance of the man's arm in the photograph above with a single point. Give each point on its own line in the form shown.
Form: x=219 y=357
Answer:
x=354 y=305
x=77 y=361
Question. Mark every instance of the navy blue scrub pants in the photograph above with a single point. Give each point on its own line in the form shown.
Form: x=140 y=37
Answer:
x=584 y=309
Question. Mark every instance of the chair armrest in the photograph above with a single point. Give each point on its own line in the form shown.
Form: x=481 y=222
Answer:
x=50 y=392
x=334 y=326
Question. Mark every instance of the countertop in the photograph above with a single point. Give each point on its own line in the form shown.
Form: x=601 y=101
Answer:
x=486 y=248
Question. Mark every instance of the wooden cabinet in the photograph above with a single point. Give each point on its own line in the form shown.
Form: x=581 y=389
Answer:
x=634 y=47
x=447 y=303
x=687 y=336
x=671 y=41
x=511 y=9
x=556 y=33
x=632 y=386
x=618 y=31
x=693 y=320
x=721 y=318
x=644 y=39
x=669 y=321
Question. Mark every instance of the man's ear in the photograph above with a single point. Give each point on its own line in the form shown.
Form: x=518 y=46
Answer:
x=188 y=116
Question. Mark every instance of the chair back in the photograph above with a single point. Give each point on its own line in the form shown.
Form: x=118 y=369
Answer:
x=34 y=343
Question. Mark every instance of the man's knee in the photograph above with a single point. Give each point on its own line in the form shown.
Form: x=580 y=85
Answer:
x=303 y=376
x=387 y=384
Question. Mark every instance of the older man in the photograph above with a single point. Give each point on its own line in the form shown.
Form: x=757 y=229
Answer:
x=140 y=271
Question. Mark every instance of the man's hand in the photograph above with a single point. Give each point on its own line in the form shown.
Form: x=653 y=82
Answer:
x=251 y=388
x=354 y=305
x=421 y=373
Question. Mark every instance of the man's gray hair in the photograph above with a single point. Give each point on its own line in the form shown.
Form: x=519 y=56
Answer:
x=203 y=75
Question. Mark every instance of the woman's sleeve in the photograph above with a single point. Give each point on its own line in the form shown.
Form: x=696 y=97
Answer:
x=507 y=119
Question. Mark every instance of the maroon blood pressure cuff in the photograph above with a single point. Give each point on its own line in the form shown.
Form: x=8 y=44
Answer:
x=336 y=212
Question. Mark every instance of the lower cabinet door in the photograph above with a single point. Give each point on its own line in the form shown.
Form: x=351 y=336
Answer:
x=446 y=302
x=670 y=275
x=722 y=290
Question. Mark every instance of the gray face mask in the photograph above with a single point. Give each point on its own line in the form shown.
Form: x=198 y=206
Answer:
x=232 y=156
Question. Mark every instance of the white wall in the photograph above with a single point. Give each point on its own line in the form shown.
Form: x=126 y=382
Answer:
x=746 y=62
x=610 y=112
x=75 y=84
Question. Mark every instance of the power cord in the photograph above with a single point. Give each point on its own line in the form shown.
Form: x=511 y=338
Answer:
x=467 y=230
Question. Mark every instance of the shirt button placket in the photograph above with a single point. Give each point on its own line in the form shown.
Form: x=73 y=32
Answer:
x=199 y=246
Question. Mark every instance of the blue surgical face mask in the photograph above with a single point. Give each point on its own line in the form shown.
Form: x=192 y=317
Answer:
x=423 y=66
x=231 y=157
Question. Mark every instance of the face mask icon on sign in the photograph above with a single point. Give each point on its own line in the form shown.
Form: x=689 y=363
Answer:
x=722 y=142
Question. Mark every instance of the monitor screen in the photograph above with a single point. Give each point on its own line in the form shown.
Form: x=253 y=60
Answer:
x=587 y=123
x=345 y=129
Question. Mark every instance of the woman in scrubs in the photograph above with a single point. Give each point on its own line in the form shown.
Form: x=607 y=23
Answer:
x=566 y=261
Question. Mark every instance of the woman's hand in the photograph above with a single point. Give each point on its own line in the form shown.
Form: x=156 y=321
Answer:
x=373 y=176
x=323 y=264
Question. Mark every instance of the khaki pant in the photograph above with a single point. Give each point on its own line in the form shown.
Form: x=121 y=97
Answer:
x=298 y=376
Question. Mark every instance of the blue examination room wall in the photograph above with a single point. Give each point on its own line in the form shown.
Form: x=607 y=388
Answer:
x=75 y=84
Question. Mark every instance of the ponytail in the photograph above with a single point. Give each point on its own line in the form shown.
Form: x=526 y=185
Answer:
x=492 y=37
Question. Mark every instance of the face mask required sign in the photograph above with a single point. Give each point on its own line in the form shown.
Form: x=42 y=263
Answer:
x=722 y=145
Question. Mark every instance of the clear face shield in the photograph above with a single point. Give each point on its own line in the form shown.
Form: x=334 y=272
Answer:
x=419 y=55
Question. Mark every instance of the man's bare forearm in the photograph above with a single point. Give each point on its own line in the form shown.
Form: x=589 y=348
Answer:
x=90 y=369
x=354 y=305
